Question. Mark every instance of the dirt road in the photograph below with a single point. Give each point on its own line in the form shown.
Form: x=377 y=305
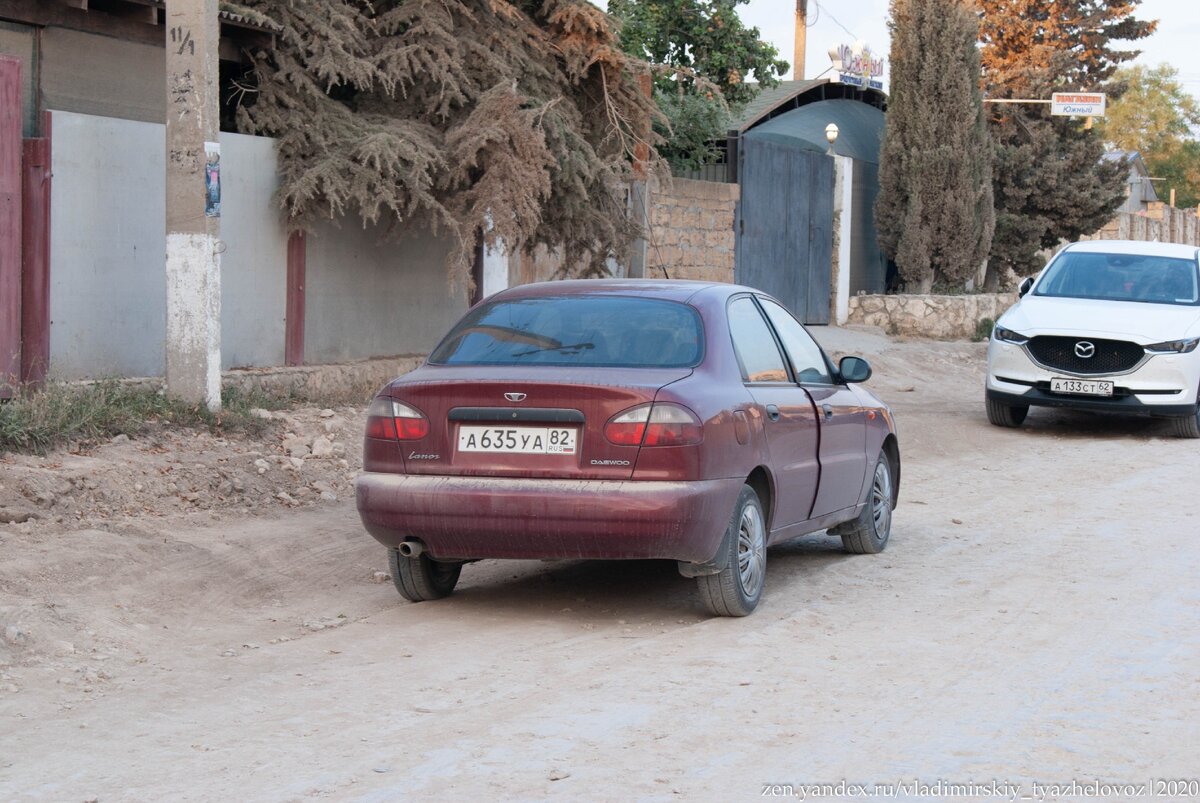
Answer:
x=1036 y=617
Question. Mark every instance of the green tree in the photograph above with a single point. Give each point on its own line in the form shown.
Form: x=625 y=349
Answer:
x=1050 y=181
x=1155 y=116
x=705 y=55
x=515 y=121
x=934 y=211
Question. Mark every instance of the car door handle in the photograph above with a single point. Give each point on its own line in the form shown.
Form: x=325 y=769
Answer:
x=772 y=412
x=828 y=411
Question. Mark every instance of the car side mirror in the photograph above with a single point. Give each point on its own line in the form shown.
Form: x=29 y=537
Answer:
x=854 y=369
x=1025 y=287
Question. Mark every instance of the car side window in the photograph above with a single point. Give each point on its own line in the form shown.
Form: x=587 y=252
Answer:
x=808 y=362
x=756 y=348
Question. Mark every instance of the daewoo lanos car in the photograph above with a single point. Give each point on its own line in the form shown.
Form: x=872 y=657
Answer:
x=621 y=419
x=1108 y=326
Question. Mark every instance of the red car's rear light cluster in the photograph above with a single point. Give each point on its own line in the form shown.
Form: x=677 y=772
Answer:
x=655 y=425
x=388 y=419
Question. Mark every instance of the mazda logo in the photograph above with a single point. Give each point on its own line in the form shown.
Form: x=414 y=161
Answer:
x=515 y=397
x=1085 y=350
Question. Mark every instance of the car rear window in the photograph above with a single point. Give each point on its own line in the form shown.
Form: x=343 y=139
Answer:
x=600 y=331
x=1122 y=277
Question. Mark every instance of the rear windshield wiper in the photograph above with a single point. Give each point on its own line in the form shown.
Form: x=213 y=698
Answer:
x=571 y=347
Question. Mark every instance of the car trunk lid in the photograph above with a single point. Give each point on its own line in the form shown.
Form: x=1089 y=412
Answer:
x=548 y=423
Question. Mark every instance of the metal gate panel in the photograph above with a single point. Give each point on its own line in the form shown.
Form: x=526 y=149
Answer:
x=785 y=225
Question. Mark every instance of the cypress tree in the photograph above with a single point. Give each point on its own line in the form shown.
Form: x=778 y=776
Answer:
x=1050 y=182
x=934 y=212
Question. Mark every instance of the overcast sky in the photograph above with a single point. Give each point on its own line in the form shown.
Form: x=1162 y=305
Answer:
x=843 y=21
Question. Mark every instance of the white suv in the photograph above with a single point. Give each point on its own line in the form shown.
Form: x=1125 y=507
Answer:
x=1108 y=325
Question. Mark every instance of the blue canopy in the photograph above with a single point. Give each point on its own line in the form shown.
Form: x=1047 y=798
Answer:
x=860 y=128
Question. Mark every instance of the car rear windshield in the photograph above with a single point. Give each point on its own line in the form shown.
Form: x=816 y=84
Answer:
x=1122 y=277
x=600 y=331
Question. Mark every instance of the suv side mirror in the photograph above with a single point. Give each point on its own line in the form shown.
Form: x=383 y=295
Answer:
x=1025 y=287
x=854 y=369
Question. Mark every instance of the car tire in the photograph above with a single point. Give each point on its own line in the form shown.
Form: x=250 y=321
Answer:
x=1006 y=415
x=1188 y=426
x=419 y=579
x=869 y=533
x=736 y=589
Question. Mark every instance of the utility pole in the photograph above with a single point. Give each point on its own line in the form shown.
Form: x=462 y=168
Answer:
x=193 y=264
x=801 y=39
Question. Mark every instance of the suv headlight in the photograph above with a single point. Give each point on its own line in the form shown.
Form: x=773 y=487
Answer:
x=1173 y=346
x=1009 y=336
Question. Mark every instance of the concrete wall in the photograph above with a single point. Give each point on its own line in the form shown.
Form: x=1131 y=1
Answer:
x=17 y=41
x=371 y=296
x=691 y=234
x=100 y=75
x=107 y=247
x=365 y=297
x=254 y=264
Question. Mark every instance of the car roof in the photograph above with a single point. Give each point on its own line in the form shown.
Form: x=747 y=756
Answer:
x=1135 y=247
x=665 y=289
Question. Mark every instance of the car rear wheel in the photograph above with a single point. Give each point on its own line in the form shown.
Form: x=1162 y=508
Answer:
x=869 y=533
x=1006 y=415
x=1188 y=426
x=419 y=578
x=737 y=588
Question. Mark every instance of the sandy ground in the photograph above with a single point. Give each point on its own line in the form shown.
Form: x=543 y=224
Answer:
x=1035 y=618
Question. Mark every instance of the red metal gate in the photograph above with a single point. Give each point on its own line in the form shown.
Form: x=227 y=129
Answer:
x=24 y=240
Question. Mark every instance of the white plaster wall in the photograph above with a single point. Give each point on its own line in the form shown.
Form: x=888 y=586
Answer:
x=366 y=295
x=108 y=250
x=369 y=295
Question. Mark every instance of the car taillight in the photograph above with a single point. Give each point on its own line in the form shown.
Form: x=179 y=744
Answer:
x=388 y=419
x=654 y=425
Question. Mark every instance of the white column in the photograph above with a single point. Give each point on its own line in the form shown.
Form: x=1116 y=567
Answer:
x=843 y=197
x=495 y=270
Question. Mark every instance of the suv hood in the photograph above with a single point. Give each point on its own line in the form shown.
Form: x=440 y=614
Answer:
x=1121 y=320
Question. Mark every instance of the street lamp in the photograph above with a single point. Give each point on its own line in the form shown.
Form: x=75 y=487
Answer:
x=831 y=134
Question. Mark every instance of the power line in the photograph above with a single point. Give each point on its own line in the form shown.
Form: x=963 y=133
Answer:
x=836 y=21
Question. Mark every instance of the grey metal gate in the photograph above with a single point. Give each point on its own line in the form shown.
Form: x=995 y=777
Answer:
x=785 y=225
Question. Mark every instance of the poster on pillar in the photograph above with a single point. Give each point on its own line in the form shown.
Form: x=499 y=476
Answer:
x=212 y=179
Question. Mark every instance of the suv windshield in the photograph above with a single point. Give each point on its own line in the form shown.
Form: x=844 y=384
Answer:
x=1122 y=277
x=599 y=331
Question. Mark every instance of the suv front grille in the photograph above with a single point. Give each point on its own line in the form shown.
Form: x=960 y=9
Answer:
x=1110 y=357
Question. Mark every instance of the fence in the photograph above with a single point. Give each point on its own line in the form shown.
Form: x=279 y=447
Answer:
x=1161 y=223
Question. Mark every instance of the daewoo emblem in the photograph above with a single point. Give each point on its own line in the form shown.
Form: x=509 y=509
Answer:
x=1084 y=350
x=515 y=397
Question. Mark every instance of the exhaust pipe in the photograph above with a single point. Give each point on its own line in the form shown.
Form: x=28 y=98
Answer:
x=411 y=549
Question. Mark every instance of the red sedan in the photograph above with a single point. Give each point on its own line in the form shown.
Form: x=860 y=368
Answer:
x=696 y=422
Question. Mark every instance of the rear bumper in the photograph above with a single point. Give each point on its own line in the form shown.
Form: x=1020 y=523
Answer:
x=492 y=517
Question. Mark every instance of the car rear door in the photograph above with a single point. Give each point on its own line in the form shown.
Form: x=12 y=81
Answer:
x=786 y=410
x=842 y=418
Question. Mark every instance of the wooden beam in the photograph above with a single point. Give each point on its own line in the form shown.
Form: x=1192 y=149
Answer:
x=293 y=325
x=11 y=126
x=80 y=4
x=35 y=267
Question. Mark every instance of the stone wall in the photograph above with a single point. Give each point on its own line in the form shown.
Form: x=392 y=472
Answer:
x=940 y=317
x=691 y=232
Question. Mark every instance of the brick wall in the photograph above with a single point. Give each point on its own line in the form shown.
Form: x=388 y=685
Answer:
x=691 y=232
